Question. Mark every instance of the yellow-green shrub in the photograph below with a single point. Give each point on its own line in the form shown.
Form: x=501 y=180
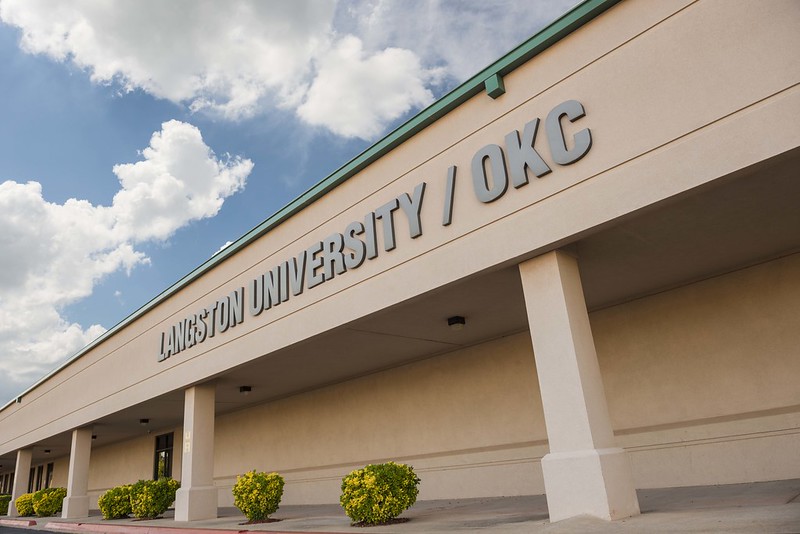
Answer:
x=116 y=502
x=4 y=500
x=378 y=493
x=151 y=498
x=24 y=504
x=258 y=495
x=48 y=501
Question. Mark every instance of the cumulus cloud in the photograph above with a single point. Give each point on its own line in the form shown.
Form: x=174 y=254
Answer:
x=351 y=67
x=54 y=254
x=461 y=36
x=210 y=54
x=347 y=80
x=178 y=181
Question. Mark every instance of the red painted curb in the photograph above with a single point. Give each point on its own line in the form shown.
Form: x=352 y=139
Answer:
x=18 y=522
x=63 y=526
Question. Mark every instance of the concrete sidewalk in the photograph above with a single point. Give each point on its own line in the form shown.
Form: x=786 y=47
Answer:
x=764 y=507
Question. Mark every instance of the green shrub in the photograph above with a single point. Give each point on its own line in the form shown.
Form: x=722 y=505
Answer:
x=4 y=500
x=116 y=502
x=151 y=498
x=258 y=495
x=379 y=493
x=48 y=501
x=24 y=504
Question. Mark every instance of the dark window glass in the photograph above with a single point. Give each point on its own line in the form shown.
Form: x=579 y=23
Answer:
x=162 y=466
x=48 y=481
x=39 y=477
x=31 y=480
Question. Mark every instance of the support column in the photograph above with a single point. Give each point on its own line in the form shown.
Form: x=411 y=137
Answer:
x=22 y=473
x=197 y=497
x=584 y=473
x=76 y=503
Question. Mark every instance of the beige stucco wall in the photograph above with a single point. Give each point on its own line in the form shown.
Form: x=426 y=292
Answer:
x=472 y=410
x=700 y=380
x=60 y=472
x=443 y=415
x=122 y=463
x=128 y=461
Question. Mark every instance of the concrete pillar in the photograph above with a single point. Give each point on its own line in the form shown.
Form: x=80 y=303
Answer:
x=197 y=496
x=76 y=503
x=22 y=473
x=584 y=473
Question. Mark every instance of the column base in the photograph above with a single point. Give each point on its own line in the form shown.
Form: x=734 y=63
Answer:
x=596 y=482
x=75 y=507
x=194 y=504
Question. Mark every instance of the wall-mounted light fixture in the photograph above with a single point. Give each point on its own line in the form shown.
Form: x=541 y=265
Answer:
x=47 y=451
x=456 y=322
x=94 y=436
x=245 y=390
x=144 y=422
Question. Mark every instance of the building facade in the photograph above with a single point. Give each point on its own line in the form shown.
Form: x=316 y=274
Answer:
x=578 y=273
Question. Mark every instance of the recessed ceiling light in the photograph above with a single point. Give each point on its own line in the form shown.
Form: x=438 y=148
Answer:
x=456 y=322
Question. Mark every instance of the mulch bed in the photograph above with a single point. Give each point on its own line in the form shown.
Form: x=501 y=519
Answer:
x=395 y=521
x=261 y=521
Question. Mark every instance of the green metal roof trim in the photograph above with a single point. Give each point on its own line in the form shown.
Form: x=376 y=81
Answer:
x=561 y=27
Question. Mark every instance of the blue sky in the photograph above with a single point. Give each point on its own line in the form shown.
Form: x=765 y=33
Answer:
x=138 y=137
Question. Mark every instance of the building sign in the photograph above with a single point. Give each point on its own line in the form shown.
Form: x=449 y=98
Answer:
x=493 y=167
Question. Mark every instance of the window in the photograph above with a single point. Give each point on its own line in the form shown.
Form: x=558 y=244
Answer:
x=48 y=481
x=31 y=479
x=39 y=477
x=162 y=466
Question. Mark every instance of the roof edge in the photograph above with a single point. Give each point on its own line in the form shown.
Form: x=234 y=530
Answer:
x=540 y=41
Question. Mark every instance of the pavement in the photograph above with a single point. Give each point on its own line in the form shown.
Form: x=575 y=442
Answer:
x=761 y=507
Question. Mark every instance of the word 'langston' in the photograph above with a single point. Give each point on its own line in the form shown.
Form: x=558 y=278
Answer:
x=322 y=261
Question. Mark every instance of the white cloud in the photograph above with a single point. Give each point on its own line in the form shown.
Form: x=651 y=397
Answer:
x=343 y=94
x=210 y=54
x=462 y=36
x=178 y=181
x=352 y=69
x=223 y=247
x=54 y=254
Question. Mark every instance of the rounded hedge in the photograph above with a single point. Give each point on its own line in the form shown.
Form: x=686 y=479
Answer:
x=4 y=500
x=116 y=502
x=258 y=495
x=379 y=493
x=24 y=504
x=48 y=501
x=151 y=498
